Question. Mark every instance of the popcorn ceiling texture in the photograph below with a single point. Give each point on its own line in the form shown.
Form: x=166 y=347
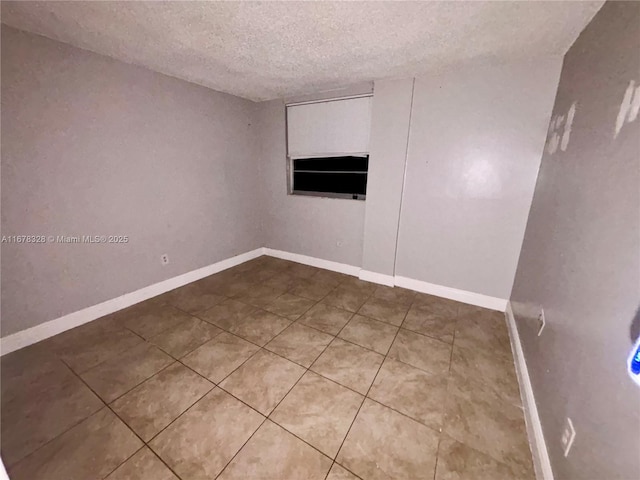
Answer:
x=266 y=50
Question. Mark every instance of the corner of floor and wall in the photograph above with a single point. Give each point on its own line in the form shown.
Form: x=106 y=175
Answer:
x=480 y=189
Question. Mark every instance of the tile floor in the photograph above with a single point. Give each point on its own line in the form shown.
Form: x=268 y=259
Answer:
x=270 y=370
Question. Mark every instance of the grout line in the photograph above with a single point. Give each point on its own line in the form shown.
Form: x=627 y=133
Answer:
x=241 y=448
x=144 y=444
x=14 y=463
x=274 y=408
x=162 y=460
x=173 y=362
x=435 y=469
x=365 y=396
x=132 y=455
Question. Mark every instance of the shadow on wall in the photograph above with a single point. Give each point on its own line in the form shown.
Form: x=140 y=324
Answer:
x=634 y=328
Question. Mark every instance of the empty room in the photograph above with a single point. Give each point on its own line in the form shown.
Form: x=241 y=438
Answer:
x=319 y=240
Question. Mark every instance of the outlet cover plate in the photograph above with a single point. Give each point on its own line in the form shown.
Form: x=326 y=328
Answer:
x=568 y=436
x=541 y=321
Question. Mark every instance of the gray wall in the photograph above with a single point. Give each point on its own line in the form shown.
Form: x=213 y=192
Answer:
x=581 y=259
x=390 y=119
x=94 y=146
x=326 y=228
x=476 y=137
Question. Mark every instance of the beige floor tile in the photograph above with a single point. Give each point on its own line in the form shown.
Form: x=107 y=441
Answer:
x=27 y=368
x=442 y=306
x=85 y=347
x=144 y=465
x=289 y=306
x=262 y=273
x=260 y=327
x=457 y=461
x=282 y=281
x=398 y=295
x=340 y=473
x=477 y=417
x=120 y=374
x=258 y=295
x=346 y=298
x=482 y=315
x=329 y=278
x=494 y=369
x=449 y=369
x=311 y=289
x=384 y=444
x=229 y=284
x=384 y=310
x=202 y=441
x=227 y=314
x=319 y=412
x=300 y=344
x=185 y=337
x=422 y=352
x=273 y=453
x=423 y=320
x=41 y=410
x=220 y=356
x=369 y=333
x=263 y=380
x=194 y=297
x=151 y=406
x=153 y=321
x=326 y=318
x=349 y=365
x=411 y=391
x=91 y=449
x=354 y=283
x=487 y=332
x=301 y=271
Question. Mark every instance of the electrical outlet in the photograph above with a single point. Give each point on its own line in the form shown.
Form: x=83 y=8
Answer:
x=568 y=436
x=164 y=259
x=541 y=321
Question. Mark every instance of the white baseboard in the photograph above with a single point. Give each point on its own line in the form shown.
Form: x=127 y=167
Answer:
x=471 y=298
x=463 y=296
x=48 y=329
x=313 y=261
x=541 y=461
x=374 y=277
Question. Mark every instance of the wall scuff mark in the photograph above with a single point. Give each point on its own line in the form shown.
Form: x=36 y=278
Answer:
x=628 y=108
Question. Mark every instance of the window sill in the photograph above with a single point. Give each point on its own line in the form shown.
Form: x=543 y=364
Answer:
x=342 y=196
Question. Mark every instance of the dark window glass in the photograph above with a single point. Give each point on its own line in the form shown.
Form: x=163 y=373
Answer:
x=339 y=175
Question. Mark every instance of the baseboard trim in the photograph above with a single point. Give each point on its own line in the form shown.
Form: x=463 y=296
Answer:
x=471 y=298
x=313 y=261
x=541 y=461
x=32 y=335
x=375 y=277
x=48 y=329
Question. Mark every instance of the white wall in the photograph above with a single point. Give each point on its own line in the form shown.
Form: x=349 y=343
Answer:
x=476 y=139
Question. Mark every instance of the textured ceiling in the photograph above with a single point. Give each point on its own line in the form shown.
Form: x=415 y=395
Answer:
x=265 y=50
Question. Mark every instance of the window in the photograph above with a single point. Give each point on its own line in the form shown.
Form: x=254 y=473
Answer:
x=341 y=176
x=328 y=147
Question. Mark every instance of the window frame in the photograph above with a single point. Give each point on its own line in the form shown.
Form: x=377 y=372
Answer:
x=290 y=159
x=345 y=196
